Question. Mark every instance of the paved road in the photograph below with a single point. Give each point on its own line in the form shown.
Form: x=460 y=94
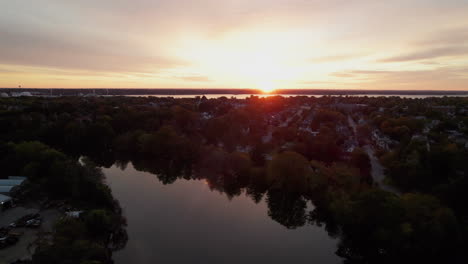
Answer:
x=26 y=244
x=377 y=170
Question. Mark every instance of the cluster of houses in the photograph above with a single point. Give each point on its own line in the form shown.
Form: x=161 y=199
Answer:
x=347 y=108
x=16 y=94
x=381 y=140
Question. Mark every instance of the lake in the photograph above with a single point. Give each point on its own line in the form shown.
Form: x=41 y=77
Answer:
x=187 y=222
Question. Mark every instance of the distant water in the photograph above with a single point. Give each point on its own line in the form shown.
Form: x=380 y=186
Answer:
x=186 y=222
x=243 y=96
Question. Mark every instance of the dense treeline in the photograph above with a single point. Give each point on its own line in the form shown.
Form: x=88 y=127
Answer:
x=287 y=150
x=54 y=175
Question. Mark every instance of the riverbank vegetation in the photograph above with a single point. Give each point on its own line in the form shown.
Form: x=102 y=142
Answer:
x=55 y=177
x=287 y=151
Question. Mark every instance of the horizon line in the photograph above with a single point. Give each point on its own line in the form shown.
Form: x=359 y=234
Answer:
x=234 y=91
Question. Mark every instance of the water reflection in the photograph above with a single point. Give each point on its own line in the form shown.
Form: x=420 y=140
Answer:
x=196 y=221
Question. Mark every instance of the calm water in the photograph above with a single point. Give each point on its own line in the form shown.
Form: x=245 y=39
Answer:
x=186 y=222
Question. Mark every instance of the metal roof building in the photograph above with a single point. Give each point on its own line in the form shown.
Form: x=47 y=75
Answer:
x=17 y=178
x=5 y=189
x=9 y=182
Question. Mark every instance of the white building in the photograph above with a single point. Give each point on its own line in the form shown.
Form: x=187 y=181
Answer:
x=21 y=94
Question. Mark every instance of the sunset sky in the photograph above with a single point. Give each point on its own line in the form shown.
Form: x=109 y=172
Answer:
x=342 y=44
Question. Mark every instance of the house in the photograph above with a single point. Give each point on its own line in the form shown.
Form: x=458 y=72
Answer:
x=206 y=116
x=430 y=126
x=74 y=214
x=381 y=140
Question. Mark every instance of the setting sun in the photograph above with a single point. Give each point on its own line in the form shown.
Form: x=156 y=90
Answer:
x=267 y=87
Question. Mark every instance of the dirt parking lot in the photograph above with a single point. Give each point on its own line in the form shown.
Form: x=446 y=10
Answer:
x=25 y=246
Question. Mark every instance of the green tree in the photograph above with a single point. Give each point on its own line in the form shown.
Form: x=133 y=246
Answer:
x=289 y=171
